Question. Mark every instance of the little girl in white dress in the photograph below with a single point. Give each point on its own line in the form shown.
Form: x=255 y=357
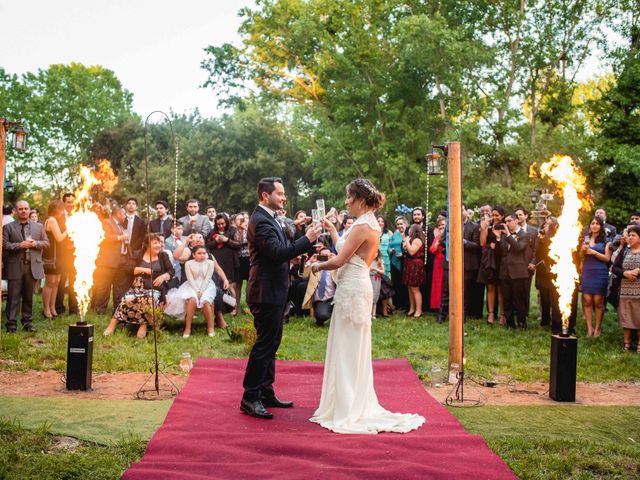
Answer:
x=199 y=291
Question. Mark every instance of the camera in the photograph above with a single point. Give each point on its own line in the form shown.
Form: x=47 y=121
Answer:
x=500 y=226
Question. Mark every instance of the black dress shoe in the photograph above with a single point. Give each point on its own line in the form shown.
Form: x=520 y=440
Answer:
x=29 y=328
x=275 y=402
x=255 y=409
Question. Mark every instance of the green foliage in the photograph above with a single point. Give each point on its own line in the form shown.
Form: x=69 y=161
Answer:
x=220 y=160
x=64 y=107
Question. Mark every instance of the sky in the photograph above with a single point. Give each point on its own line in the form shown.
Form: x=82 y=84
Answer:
x=154 y=46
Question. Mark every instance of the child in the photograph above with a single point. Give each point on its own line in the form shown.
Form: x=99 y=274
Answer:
x=375 y=272
x=198 y=291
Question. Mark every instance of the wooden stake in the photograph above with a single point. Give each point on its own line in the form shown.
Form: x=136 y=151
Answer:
x=456 y=257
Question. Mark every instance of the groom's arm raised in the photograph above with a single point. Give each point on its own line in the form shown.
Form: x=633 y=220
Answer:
x=267 y=241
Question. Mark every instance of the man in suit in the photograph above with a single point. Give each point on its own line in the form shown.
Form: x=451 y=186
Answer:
x=471 y=247
x=270 y=251
x=193 y=222
x=164 y=222
x=211 y=217
x=22 y=243
x=320 y=289
x=514 y=274
x=530 y=254
x=113 y=252
x=65 y=257
x=135 y=229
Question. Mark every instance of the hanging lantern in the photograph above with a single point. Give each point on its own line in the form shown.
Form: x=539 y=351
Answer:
x=19 y=138
x=534 y=196
x=433 y=163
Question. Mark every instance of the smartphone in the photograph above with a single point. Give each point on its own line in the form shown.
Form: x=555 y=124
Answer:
x=323 y=258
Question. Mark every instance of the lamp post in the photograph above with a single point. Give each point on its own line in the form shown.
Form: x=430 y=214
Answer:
x=19 y=143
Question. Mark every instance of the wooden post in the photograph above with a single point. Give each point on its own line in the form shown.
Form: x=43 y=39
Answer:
x=3 y=144
x=456 y=257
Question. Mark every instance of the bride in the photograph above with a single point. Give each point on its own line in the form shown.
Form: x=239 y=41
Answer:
x=348 y=403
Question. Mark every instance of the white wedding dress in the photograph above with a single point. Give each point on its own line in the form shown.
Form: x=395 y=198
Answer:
x=348 y=403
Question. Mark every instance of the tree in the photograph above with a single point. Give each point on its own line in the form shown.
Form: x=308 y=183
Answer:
x=64 y=107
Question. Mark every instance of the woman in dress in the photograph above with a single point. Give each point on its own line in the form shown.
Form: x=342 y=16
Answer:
x=438 y=265
x=396 y=254
x=224 y=247
x=490 y=262
x=595 y=275
x=627 y=267
x=199 y=291
x=348 y=403
x=242 y=274
x=413 y=272
x=385 y=238
x=151 y=274
x=55 y=218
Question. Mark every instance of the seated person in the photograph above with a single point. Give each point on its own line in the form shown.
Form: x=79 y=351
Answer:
x=320 y=289
x=151 y=274
x=199 y=291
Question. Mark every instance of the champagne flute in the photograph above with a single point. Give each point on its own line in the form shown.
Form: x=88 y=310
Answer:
x=315 y=215
x=321 y=211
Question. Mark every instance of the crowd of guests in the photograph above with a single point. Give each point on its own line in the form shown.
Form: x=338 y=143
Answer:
x=201 y=261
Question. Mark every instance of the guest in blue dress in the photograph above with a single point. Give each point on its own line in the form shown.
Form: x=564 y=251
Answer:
x=595 y=275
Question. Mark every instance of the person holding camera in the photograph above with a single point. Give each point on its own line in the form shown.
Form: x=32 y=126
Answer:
x=514 y=270
x=490 y=261
x=320 y=287
x=627 y=268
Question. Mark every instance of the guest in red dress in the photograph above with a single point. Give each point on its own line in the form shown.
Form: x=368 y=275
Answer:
x=413 y=271
x=438 y=271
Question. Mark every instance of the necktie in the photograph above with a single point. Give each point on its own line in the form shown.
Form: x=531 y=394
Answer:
x=322 y=285
x=27 y=253
x=162 y=226
x=129 y=227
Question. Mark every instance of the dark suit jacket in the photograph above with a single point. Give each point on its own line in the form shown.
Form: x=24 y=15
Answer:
x=471 y=240
x=136 y=244
x=532 y=237
x=111 y=247
x=270 y=251
x=513 y=263
x=154 y=225
x=14 y=255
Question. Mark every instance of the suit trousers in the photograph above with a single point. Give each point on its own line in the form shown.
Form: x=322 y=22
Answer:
x=469 y=292
x=549 y=308
x=67 y=272
x=20 y=290
x=322 y=311
x=103 y=284
x=122 y=282
x=261 y=367
x=443 y=312
x=514 y=293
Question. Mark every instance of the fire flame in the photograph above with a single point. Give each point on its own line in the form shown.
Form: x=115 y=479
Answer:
x=569 y=179
x=86 y=232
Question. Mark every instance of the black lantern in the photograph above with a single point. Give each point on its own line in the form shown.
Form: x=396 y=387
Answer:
x=9 y=187
x=19 y=138
x=534 y=196
x=433 y=163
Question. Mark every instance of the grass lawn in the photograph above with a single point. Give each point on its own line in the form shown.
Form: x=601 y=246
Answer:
x=536 y=442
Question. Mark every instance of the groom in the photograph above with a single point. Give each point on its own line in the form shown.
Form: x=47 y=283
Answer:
x=267 y=289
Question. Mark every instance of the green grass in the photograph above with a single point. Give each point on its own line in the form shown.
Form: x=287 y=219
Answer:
x=561 y=442
x=30 y=454
x=99 y=421
x=490 y=351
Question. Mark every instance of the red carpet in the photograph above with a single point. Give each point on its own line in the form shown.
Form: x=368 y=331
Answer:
x=206 y=436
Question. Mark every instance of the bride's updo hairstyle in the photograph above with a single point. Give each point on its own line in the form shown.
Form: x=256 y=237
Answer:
x=363 y=189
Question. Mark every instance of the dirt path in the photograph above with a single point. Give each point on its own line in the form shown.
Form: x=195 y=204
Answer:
x=118 y=386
